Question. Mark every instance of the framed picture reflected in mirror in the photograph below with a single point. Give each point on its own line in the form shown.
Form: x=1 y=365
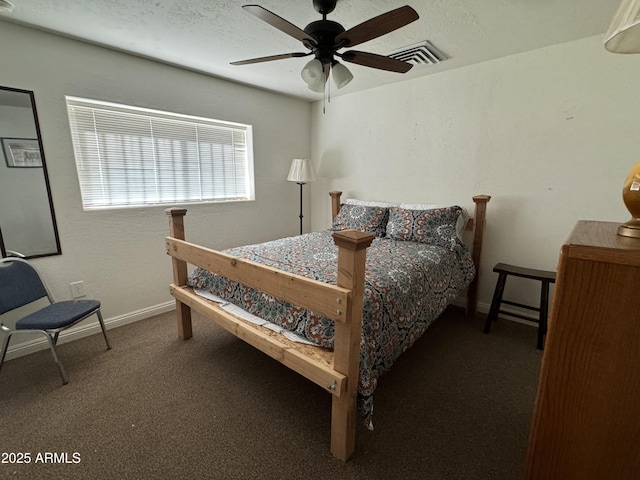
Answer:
x=22 y=152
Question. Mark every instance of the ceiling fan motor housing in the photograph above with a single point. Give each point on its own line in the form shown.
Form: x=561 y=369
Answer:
x=324 y=32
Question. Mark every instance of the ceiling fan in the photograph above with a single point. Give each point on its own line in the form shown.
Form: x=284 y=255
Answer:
x=323 y=38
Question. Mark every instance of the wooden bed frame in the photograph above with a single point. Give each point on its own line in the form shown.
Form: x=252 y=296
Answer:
x=336 y=371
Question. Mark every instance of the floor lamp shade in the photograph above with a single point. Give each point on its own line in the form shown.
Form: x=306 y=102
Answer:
x=301 y=171
x=623 y=35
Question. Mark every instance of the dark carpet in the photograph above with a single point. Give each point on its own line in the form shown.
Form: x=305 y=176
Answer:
x=457 y=405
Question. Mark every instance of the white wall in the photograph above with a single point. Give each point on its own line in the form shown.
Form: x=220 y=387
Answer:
x=120 y=254
x=549 y=134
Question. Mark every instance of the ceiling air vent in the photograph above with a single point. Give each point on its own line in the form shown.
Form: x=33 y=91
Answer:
x=423 y=53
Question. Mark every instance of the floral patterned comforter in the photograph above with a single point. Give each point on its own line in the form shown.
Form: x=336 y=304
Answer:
x=407 y=286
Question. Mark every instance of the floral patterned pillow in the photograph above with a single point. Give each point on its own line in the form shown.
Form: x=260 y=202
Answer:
x=367 y=219
x=434 y=226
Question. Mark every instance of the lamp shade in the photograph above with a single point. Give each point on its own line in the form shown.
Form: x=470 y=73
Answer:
x=6 y=6
x=301 y=171
x=312 y=72
x=318 y=85
x=623 y=35
x=341 y=75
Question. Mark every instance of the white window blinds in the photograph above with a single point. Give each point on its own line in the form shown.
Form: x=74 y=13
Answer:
x=130 y=156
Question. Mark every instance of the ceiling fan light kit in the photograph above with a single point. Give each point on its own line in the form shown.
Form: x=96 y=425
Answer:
x=318 y=85
x=312 y=71
x=341 y=75
x=324 y=38
x=315 y=74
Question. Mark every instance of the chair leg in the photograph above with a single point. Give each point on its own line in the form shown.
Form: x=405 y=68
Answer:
x=5 y=346
x=495 y=302
x=104 y=330
x=63 y=374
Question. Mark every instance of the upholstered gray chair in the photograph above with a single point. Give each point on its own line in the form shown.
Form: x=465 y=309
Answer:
x=20 y=285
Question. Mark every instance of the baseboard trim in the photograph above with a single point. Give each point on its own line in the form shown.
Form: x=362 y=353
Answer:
x=82 y=330
x=25 y=348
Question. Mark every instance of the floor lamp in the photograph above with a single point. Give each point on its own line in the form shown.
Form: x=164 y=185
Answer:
x=301 y=172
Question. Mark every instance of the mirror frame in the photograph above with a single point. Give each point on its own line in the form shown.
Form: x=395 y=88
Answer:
x=58 y=251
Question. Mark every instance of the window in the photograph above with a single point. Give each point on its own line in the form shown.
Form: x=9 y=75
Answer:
x=129 y=156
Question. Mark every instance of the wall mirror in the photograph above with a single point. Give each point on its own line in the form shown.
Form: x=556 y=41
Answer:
x=27 y=219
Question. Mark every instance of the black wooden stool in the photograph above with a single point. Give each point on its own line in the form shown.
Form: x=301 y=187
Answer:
x=542 y=276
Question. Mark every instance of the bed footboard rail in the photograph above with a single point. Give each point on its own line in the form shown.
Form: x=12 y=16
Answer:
x=331 y=301
x=317 y=367
x=342 y=303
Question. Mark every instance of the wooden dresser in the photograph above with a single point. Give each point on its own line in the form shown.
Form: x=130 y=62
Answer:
x=586 y=423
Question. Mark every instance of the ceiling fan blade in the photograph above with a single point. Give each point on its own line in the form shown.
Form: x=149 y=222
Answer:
x=279 y=23
x=270 y=58
x=374 y=60
x=377 y=26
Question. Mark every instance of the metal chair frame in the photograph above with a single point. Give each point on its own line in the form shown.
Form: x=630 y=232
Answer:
x=50 y=334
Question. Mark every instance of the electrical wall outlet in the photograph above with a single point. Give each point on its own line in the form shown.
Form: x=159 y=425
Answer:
x=77 y=289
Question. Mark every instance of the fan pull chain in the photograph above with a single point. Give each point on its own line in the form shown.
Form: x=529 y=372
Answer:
x=324 y=90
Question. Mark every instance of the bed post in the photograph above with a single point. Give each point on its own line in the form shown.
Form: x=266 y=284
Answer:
x=478 y=232
x=352 y=249
x=183 y=311
x=335 y=203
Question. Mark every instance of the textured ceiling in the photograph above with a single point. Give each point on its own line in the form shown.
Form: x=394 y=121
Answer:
x=206 y=35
